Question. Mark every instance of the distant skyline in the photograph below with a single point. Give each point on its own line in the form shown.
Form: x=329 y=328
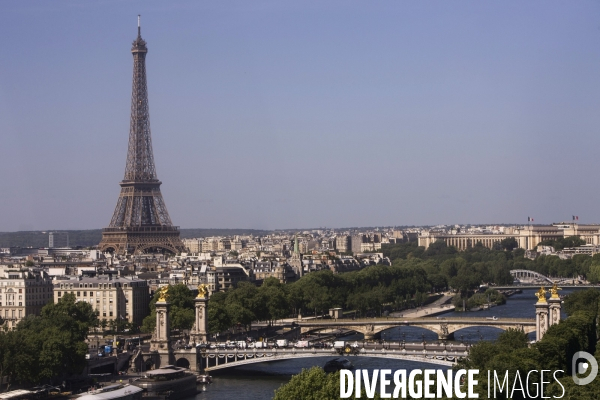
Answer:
x=281 y=115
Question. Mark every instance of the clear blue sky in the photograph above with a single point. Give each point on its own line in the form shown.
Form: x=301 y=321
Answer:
x=281 y=114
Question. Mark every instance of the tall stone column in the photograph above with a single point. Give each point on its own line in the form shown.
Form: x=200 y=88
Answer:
x=554 y=306
x=199 y=333
x=161 y=339
x=541 y=315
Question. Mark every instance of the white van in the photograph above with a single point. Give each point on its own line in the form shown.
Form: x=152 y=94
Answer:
x=339 y=344
x=282 y=343
x=302 y=344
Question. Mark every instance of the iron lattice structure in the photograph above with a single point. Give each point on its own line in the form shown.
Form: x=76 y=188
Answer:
x=141 y=222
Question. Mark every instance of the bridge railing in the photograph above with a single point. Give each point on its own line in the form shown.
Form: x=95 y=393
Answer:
x=333 y=352
x=410 y=320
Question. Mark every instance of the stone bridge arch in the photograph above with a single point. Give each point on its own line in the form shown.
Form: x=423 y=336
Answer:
x=444 y=330
x=372 y=331
x=186 y=359
x=183 y=363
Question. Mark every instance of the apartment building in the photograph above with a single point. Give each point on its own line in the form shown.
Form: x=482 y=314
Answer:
x=127 y=298
x=23 y=292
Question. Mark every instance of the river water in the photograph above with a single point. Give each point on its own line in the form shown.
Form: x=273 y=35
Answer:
x=259 y=381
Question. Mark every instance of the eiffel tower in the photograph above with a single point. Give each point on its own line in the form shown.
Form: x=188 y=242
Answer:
x=140 y=223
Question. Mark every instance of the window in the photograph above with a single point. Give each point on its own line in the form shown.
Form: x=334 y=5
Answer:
x=59 y=294
x=91 y=293
x=104 y=314
x=20 y=290
x=20 y=313
x=85 y=293
x=110 y=314
x=78 y=294
x=20 y=303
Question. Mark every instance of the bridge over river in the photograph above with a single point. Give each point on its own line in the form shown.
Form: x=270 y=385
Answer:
x=215 y=359
x=443 y=327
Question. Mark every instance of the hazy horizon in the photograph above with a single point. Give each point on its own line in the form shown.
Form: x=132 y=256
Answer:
x=273 y=114
x=325 y=228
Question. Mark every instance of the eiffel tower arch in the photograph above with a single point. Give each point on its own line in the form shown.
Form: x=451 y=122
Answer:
x=140 y=222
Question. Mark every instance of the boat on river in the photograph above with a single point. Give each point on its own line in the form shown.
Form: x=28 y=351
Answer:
x=167 y=383
x=113 y=392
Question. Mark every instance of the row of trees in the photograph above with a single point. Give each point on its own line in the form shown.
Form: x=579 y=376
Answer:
x=47 y=347
x=480 y=264
x=368 y=290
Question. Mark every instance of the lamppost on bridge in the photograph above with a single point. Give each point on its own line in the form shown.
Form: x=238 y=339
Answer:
x=423 y=337
x=404 y=340
x=462 y=340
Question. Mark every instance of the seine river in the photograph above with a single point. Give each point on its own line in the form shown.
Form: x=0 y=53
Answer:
x=259 y=381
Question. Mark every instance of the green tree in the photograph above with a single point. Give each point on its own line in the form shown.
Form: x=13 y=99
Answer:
x=312 y=384
x=218 y=317
x=9 y=349
x=275 y=298
x=244 y=305
x=52 y=345
x=509 y=244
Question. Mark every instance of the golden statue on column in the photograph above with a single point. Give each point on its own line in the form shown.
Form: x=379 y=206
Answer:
x=163 y=292
x=554 y=291
x=541 y=295
x=202 y=291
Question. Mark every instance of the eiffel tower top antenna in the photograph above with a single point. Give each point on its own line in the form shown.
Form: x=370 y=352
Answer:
x=139 y=29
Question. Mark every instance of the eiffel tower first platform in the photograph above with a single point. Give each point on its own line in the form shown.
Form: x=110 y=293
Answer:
x=140 y=223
